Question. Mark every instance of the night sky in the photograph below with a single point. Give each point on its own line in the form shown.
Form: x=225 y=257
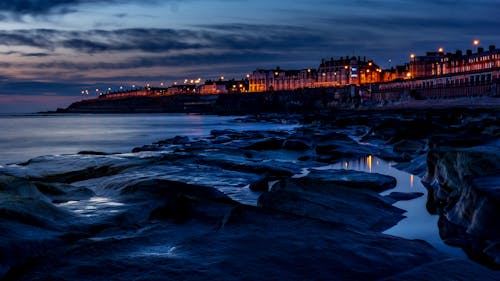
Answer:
x=51 y=50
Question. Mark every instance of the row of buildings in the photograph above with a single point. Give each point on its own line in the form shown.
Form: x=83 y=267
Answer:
x=431 y=69
x=425 y=71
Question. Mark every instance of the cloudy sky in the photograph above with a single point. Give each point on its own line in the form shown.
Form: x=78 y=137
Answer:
x=51 y=50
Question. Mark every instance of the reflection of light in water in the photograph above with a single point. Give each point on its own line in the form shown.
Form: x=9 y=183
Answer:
x=369 y=160
x=346 y=165
x=418 y=224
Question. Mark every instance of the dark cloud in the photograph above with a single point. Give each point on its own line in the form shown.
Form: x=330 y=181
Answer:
x=38 y=55
x=22 y=87
x=230 y=37
x=35 y=7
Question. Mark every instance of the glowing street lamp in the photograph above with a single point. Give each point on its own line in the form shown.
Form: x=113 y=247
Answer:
x=440 y=50
x=476 y=42
x=412 y=56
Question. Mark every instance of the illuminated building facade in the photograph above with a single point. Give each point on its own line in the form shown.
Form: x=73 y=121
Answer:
x=347 y=71
x=438 y=63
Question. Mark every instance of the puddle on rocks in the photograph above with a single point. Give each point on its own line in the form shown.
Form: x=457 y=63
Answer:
x=418 y=224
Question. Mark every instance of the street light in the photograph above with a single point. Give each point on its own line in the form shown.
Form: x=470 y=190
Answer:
x=440 y=50
x=476 y=42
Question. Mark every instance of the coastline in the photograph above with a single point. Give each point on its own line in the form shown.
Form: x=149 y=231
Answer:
x=122 y=206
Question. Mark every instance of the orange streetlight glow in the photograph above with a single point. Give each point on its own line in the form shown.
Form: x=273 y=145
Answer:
x=476 y=42
x=440 y=50
x=412 y=56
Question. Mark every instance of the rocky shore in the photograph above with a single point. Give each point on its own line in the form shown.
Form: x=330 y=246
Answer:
x=253 y=205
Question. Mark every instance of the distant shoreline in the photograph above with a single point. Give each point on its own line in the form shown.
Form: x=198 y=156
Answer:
x=271 y=102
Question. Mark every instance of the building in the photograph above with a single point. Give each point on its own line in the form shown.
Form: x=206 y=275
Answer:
x=213 y=88
x=435 y=64
x=347 y=71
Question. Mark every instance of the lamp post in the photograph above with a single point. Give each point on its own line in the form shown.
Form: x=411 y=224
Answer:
x=412 y=65
x=476 y=44
x=346 y=74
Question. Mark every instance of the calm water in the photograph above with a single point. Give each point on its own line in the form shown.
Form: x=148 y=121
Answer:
x=418 y=224
x=23 y=137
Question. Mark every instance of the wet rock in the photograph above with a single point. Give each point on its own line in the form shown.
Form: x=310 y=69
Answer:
x=30 y=224
x=149 y=147
x=60 y=192
x=464 y=190
x=280 y=245
x=417 y=166
x=88 y=173
x=160 y=189
x=320 y=196
x=174 y=141
x=354 y=179
x=295 y=145
x=267 y=144
x=236 y=135
x=92 y=153
x=458 y=140
x=409 y=146
x=256 y=167
x=263 y=183
x=405 y=196
x=395 y=130
x=304 y=158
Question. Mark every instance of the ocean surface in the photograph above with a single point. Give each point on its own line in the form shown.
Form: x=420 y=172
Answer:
x=23 y=137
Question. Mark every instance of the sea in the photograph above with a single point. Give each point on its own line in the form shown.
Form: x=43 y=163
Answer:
x=25 y=136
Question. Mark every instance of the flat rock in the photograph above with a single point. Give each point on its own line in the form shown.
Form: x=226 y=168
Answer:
x=354 y=179
x=405 y=196
x=327 y=201
x=409 y=146
x=267 y=144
